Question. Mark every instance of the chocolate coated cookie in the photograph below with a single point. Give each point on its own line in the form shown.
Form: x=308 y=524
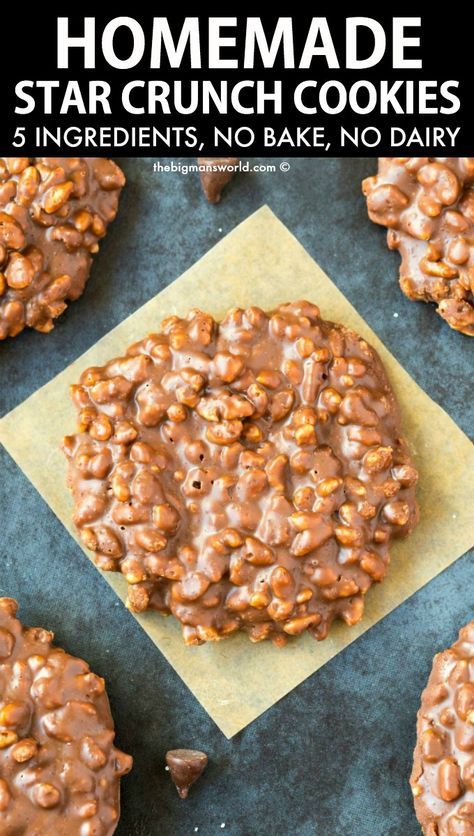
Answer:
x=243 y=475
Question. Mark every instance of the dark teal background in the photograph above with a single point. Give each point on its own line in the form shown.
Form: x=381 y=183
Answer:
x=333 y=758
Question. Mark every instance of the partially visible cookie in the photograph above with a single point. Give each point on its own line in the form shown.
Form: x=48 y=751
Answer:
x=53 y=213
x=218 y=172
x=427 y=203
x=59 y=769
x=442 y=779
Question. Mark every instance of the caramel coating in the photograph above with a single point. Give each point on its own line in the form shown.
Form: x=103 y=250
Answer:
x=247 y=475
x=59 y=769
x=53 y=213
x=427 y=203
x=442 y=779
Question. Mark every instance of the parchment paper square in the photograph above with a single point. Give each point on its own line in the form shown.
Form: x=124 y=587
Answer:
x=261 y=263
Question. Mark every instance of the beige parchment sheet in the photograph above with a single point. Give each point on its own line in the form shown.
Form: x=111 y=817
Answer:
x=261 y=263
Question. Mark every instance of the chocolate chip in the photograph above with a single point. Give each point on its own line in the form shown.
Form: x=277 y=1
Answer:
x=218 y=173
x=185 y=766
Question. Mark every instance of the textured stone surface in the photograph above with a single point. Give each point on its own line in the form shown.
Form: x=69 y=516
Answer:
x=335 y=755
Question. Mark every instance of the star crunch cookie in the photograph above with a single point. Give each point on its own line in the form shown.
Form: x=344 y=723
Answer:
x=59 y=769
x=243 y=475
x=427 y=203
x=53 y=213
x=442 y=779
